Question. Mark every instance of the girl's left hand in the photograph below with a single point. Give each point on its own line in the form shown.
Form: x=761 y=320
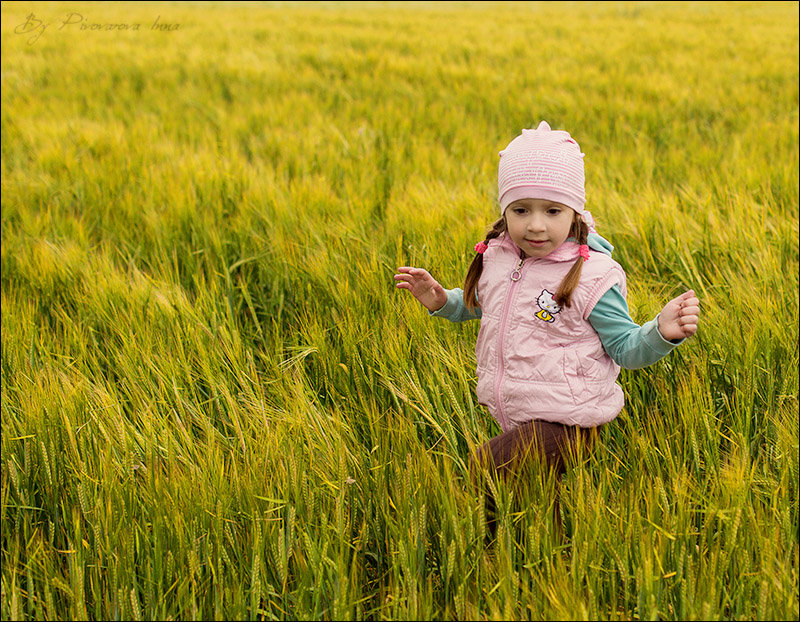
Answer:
x=679 y=317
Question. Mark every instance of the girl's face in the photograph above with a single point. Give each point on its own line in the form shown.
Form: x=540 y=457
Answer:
x=538 y=226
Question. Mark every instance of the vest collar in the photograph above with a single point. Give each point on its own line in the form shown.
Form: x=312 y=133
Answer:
x=568 y=251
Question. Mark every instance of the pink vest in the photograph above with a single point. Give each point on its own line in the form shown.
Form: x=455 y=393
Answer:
x=537 y=360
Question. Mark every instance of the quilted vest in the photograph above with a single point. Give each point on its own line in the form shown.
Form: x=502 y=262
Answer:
x=537 y=360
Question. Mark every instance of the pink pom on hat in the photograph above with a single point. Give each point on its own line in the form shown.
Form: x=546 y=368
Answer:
x=542 y=164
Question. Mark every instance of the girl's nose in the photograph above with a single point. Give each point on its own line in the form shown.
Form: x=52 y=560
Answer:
x=536 y=223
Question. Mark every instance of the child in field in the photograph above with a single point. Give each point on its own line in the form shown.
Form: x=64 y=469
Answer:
x=555 y=326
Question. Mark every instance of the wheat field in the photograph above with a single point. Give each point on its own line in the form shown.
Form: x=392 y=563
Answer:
x=215 y=403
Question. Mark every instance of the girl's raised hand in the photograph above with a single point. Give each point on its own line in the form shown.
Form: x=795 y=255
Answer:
x=422 y=286
x=679 y=317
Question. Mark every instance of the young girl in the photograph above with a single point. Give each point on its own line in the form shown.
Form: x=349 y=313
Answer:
x=555 y=326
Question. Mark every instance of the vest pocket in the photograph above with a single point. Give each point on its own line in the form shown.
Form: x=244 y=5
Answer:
x=574 y=373
x=485 y=390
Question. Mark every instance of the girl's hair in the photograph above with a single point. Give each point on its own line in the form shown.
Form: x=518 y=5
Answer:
x=579 y=231
x=476 y=267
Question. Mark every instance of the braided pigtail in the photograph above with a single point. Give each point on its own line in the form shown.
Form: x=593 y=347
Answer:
x=579 y=231
x=476 y=267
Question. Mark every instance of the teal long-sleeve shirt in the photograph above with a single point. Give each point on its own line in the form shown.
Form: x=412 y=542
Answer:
x=629 y=345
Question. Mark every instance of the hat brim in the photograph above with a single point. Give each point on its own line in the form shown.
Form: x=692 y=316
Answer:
x=541 y=192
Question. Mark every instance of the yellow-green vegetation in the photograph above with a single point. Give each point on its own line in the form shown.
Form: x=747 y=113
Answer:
x=215 y=404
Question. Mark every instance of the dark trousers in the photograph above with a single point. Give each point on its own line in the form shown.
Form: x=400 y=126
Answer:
x=515 y=453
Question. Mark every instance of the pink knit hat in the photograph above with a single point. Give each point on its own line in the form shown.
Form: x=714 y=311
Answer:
x=542 y=164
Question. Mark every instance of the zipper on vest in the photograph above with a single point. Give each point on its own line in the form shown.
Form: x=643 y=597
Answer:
x=516 y=275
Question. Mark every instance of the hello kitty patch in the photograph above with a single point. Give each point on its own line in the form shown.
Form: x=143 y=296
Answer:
x=548 y=306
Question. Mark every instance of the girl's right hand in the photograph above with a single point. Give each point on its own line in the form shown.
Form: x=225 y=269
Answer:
x=422 y=286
